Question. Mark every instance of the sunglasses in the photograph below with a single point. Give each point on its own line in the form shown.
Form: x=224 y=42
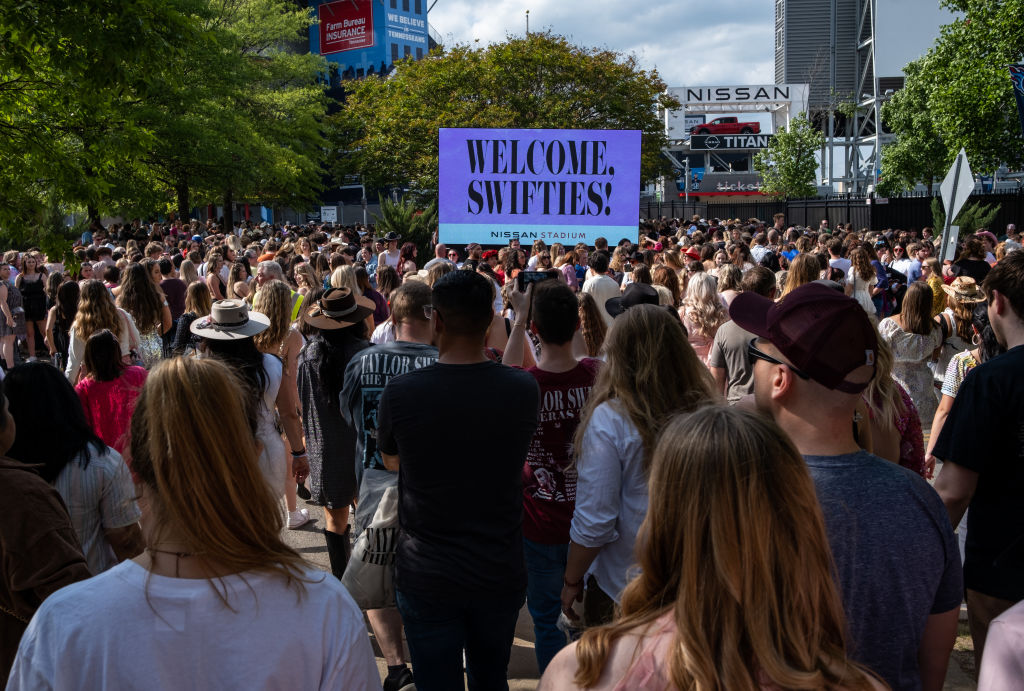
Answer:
x=754 y=352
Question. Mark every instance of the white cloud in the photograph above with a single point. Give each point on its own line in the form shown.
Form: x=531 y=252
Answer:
x=689 y=42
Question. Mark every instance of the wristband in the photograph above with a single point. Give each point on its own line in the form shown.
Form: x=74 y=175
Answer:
x=298 y=454
x=577 y=584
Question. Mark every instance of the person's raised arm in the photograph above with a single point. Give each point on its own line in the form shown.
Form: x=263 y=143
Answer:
x=515 y=349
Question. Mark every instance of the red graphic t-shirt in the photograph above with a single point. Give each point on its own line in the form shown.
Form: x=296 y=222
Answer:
x=549 y=485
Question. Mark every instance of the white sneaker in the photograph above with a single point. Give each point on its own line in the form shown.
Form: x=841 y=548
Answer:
x=298 y=518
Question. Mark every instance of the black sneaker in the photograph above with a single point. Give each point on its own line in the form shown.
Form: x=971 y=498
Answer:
x=302 y=492
x=399 y=682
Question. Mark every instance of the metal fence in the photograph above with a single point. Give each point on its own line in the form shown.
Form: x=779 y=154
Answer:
x=898 y=212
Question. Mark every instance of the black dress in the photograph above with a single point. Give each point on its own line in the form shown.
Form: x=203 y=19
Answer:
x=330 y=441
x=34 y=298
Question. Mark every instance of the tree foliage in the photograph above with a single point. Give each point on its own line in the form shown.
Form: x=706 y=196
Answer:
x=974 y=216
x=788 y=167
x=411 y=223
x=918 y=154
x=119 y=106
x=959 y=95
x=240 y=112
x=387 y=131
x=71 y=75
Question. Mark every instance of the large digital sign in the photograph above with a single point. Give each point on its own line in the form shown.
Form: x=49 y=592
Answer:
x=553 y=185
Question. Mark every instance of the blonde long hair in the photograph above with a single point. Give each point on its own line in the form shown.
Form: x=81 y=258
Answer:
x=650 y=371
x=208 y=484
x=702 y=305
x=188 y=272
x=734 y=548
x=881 y=395
x=197 y=299
x=804 y=268
x=345 y=277
x=274 y=299
x=96 y=311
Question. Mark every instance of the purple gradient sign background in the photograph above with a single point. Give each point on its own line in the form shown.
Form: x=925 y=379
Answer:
x=557 y=185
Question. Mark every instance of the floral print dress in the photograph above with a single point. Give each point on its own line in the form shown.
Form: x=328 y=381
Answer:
x=911 y=354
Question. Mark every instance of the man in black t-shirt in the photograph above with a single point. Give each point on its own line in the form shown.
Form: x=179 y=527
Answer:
x=365 y=378
x=460 y=575
x=982 y=444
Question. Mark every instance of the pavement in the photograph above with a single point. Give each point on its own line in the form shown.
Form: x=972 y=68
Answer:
x=522 y=671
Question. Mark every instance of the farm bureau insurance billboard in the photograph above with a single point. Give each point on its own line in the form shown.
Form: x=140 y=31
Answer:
x=563 y=186
x=345 y=25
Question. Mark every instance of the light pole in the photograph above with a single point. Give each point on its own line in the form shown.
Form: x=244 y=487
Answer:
x=527 y=22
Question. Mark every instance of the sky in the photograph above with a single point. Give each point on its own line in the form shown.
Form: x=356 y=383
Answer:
x=689 y=42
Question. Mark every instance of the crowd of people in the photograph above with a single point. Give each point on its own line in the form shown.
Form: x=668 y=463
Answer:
x=700 y=457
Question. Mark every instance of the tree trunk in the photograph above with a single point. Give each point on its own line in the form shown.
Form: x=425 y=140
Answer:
x=229 y=212
x=181 y=190
x=94 y=217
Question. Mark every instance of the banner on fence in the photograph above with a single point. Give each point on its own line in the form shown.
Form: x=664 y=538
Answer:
x=563 y=186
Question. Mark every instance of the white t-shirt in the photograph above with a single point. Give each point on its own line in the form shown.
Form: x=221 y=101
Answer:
x=103 y=634
x=602 y=287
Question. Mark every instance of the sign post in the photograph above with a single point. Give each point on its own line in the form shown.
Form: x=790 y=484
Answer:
x=329 y=214
x=956 y=188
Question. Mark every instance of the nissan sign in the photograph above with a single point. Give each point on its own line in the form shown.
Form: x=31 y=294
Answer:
x=720 y=142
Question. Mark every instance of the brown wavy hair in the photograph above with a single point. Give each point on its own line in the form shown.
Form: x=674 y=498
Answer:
x=140 y=298
x=862 y=264
x=592 y=324
x=96 y=311
x=650 y=371
x=664 y=275
x=208 y=484
x=805 y=268
x=734 y=549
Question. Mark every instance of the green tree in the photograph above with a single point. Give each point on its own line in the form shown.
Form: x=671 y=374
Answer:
x=239 y=114
x=972 y=217
x=961 y=94
x=387 y=130
x=71 y=75
x=788 y=166
x=919 y=154
x=411 y=223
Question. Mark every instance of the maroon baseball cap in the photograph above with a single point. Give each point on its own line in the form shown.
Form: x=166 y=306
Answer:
x=824 y=333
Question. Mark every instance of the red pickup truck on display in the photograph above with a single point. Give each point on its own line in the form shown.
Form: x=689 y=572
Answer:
x=727 y=126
